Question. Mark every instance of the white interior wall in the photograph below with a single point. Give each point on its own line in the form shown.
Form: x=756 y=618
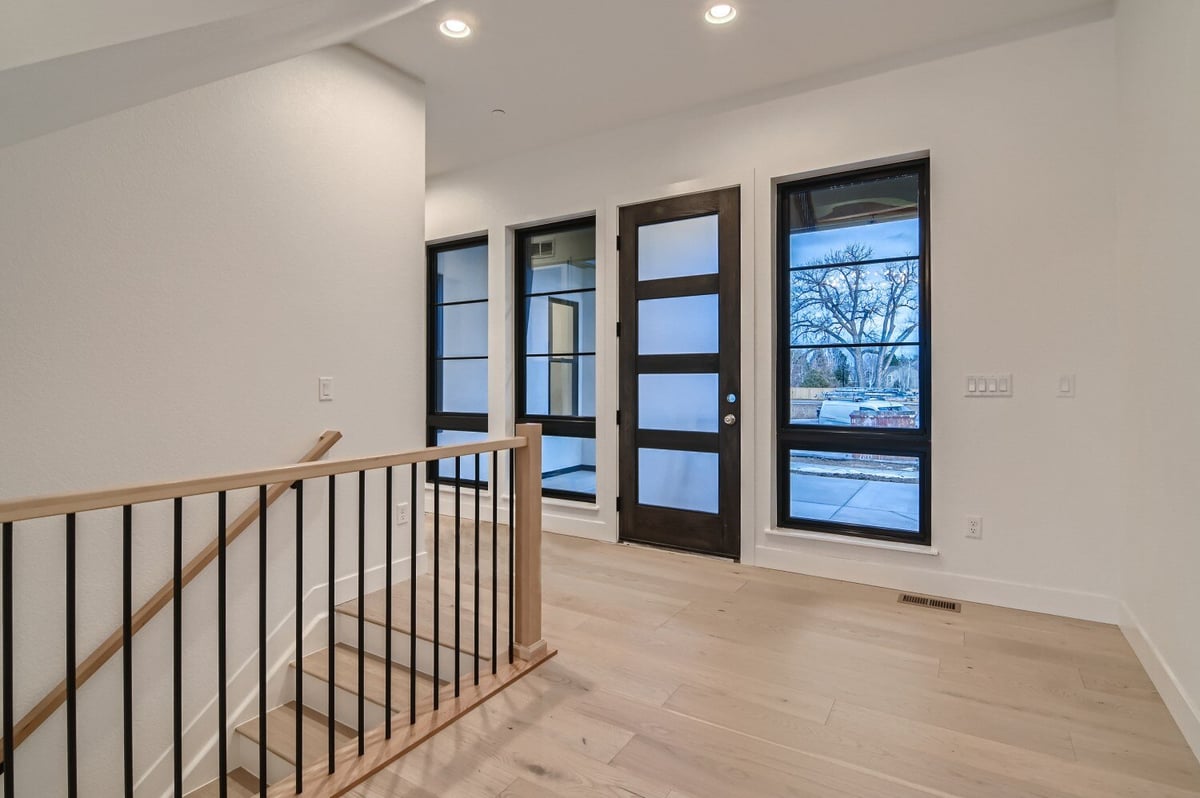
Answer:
x=1158 y=55
x=1024 y=281
x=175 y=278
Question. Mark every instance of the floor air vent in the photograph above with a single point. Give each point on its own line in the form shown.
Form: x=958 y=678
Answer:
x=930 y=602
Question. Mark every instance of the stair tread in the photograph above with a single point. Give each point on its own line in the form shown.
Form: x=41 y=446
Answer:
x=375 y=612
x=281 y=733
x=242 y=784
x=374 y=677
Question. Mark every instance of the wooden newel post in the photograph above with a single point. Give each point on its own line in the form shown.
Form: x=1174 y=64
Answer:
x=528 y=534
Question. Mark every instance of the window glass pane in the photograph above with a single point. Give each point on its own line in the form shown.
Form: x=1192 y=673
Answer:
x=687 y=402
x=681 y=480
x=678 y=325
x=859 y=387
x=447 y=437
x=856 y=304
x=561 y=260
x=560 y=324
x=855 y=242
x=560 y=386
x=678 y=249
x=461 y=274
x=463 y=330
x=872 y=490
x=462 y=385
x=875 y=215
x=569 y=464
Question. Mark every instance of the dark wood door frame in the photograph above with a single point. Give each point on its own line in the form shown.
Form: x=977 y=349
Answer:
x=673 y=528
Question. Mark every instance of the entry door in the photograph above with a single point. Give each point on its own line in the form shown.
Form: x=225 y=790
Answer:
x=679 y=397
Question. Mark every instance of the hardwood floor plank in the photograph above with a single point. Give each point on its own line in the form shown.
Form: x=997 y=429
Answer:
x=690 y=677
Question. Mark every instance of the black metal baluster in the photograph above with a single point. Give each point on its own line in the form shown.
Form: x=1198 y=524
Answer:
x=412 y=600
x=494 y=480
x=222 y=674
x=9 y=788
x=262 y=639
x=437 y=584
x=387 y=613
x=362 y=567
x=331 y=698
x=299 y=486
x=512 y=509
x=457 y=575
x=127 y=645
x=177 y=648
x=72 y=708
x=478 y=479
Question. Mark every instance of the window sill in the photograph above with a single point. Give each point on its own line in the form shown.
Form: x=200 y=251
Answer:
x=825 y=537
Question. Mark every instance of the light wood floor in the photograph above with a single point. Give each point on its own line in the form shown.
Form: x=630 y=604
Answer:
x=685 y=677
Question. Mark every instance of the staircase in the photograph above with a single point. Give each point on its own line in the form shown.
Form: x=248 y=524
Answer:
x=372 y=679
x=314 y=670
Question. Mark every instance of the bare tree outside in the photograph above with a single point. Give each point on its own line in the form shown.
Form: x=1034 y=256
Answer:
x=869 y=308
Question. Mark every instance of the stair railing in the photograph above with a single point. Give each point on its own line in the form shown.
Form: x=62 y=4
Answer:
x=45 y=708
x=373 y=749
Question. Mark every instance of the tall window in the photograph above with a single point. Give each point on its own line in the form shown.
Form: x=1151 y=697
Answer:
x=556 y=352
x=853 y=381
x=458 y=348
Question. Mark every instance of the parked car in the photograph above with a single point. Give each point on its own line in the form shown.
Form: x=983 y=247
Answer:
x=838 y=406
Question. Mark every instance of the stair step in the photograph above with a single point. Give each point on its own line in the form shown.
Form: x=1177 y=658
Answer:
x=345 y=666
x=241 y=785
x=281 y=733
x=375 y=611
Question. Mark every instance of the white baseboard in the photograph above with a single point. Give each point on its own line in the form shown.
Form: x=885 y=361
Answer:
x=897 y=576
x=1184 y=708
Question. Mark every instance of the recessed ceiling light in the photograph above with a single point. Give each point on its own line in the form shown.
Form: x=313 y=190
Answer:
x=455 y=29
x=720 y=14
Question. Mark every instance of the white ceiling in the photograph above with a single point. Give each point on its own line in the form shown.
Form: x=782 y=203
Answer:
x=563 y=68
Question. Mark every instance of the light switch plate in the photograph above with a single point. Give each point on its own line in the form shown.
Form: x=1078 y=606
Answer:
x=325 y=389
x=1066 y=386
x=989 y=386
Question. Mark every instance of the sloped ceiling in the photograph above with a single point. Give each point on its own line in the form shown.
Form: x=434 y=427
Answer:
x=118 y=72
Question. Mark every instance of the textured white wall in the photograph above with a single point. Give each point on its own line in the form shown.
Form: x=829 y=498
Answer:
x=1158 y=55
x=1024 y=281
x=175 y=278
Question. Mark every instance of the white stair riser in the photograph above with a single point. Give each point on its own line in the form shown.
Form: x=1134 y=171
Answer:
x=316 y=696
x=375 y=641
x=245 y=753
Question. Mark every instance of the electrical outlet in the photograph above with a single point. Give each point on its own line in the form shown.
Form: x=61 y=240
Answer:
x=975 y=526
x=401 y=513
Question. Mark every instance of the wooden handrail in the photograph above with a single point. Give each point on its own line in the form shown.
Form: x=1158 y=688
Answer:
x=64 y=503
x=112 y=644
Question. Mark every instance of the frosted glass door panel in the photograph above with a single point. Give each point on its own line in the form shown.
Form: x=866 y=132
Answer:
x=678 y=249
x=678 y=325
x=462 y=274
x=464 y=330
x=463 y=386
x=466 y=465
x=680 y=480
x=685 y=402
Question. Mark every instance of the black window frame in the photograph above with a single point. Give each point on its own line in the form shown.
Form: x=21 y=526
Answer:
x=859 y=440
x=552 y=425
x=435 y=420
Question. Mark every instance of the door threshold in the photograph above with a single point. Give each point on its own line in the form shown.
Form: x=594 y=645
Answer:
x=706 y=555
